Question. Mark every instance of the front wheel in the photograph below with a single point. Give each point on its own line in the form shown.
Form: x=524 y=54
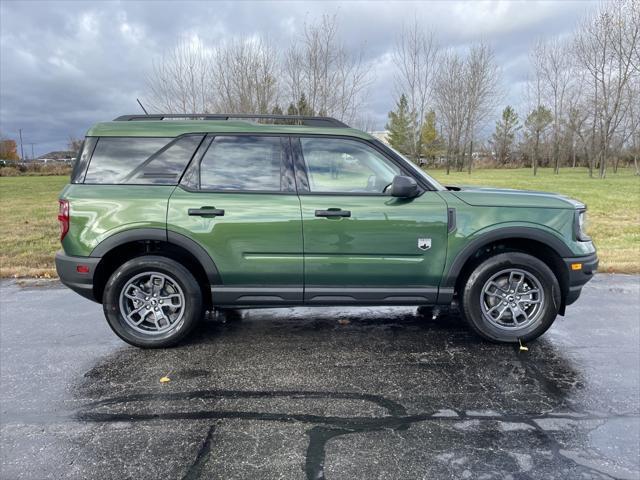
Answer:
x=511 y=296
x=152 y=302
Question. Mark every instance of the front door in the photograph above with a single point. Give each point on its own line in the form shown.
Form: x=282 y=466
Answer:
x=238 y=201
x=360 y=244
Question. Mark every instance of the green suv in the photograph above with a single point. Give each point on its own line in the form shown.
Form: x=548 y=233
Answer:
x=170 y=216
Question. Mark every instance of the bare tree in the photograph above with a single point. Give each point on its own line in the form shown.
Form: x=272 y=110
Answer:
x=606 y=48
x=74 y=144
x=451 y=103
x=332 y=79
x=245 y=76
x=632 y=127
x=466 y=89
x=482 y=91
x=416 y=57
x=365 y=121
x=181 y=81
x=553 y=68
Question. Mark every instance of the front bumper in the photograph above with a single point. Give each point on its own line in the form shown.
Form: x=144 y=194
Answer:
x=67 y=268
x=588 y=266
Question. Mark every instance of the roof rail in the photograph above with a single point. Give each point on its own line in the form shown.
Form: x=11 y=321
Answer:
x=287 y=119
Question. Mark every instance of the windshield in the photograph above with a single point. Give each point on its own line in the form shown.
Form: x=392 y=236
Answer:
x=418 y=170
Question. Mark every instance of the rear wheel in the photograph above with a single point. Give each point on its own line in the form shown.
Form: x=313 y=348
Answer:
x=511 y=296
x=152 y=302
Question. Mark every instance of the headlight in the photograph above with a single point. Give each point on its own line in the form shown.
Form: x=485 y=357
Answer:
x=581 y=225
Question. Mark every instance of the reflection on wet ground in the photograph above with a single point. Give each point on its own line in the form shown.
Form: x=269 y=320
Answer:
x=320 y=393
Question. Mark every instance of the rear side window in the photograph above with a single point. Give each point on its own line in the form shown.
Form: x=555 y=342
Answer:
x=135 y=160
x=242 y=163
x=80 y=165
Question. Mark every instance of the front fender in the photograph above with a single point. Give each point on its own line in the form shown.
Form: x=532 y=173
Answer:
x=457 y=259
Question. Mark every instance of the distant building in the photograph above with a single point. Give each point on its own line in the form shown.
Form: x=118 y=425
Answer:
x=56 y=157
x=382 y=135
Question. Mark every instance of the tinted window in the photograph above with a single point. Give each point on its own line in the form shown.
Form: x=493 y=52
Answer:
x=115 y=158
x=166 y=166
x=242 y=163
x=339 y=165
x=80 y=165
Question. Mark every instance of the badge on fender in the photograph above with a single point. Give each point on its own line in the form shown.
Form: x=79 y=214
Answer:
x=424 y=243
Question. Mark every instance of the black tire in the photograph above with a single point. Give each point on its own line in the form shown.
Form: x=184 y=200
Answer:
x=191 y=313
x=475 y=306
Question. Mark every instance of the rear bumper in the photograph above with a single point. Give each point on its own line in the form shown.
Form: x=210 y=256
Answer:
x=579 y=276
x=81 y=283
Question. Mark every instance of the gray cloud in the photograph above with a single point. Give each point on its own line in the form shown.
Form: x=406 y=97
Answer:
x=67 y=65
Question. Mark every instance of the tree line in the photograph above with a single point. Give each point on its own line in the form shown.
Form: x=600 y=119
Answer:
x=316 y=75
x=582 y=100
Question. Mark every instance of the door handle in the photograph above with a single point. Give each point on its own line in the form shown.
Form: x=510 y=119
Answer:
x=206 y=212
x=333 y=212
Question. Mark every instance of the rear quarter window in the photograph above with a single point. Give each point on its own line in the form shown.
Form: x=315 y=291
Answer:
x=135 y=160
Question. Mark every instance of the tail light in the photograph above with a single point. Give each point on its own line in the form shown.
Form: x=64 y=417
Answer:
x=63 y=217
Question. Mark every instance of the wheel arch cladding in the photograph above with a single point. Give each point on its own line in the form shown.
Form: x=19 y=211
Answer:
x=537 y=243
x=119 y=248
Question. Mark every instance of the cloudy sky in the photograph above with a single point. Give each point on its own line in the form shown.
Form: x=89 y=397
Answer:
x=67 y=65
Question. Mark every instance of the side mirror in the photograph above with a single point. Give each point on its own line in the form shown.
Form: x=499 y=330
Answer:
x=404 y=187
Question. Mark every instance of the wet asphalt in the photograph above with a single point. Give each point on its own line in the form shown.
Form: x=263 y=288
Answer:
x=331 y=393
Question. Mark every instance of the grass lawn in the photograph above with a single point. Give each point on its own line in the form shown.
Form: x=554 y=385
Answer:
x=29 y=227
x=29 y=232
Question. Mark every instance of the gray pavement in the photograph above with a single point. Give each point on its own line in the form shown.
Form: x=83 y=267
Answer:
x=330 y=393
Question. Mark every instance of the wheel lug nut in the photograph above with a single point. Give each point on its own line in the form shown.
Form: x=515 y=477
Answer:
x=161 y=301
x=146 y=298
x=148 y=307
x=505 y=303
x=156 y=309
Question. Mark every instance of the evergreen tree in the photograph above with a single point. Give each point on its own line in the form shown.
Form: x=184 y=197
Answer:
x=399 y=127
x=504 y=137
x=292 y=110
x=303 y=106
x=431 y=145
x=536 y=124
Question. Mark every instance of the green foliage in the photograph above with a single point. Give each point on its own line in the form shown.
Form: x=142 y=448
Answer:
x=504 y=136
x=277 y=110
x=303 y=106
x=400 y=126
x=538 y=121
x=431 y=144
x=292 y=110
x=535 y=126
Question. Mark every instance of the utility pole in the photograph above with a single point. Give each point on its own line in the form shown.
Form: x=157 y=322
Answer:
x=21 y=149
x=32 y=154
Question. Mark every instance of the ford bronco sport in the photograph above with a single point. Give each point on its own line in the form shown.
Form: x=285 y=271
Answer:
x=169 y=216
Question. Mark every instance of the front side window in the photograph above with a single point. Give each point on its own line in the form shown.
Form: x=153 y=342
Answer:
x=336 y=165
x=242 y=163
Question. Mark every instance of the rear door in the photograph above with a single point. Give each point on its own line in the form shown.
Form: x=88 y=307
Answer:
x=238 y=201
x=362 y=245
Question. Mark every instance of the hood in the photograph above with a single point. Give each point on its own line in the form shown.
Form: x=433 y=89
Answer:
x=505 y=197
